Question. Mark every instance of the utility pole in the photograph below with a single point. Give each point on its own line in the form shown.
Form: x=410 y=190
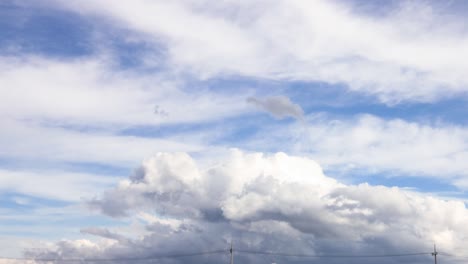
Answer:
x=232 y=255
x=434 y=254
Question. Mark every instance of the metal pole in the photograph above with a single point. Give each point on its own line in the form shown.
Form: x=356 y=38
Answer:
x=435 y=254
x=232 y=255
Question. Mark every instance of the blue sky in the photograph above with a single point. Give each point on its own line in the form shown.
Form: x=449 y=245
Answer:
x=103 y=104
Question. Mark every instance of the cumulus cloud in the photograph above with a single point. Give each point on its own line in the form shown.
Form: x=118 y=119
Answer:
x=413 y=53
x=278 y=106
x=267 y=202
x=261 y=202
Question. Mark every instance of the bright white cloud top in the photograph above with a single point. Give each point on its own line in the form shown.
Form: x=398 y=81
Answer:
x=133 y=129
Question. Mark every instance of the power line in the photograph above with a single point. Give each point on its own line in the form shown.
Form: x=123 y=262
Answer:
x=331 y=256
x=452 y=256
x=123 y=259
x=227 y=251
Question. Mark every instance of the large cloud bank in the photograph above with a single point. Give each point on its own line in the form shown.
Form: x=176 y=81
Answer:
x=264 y=202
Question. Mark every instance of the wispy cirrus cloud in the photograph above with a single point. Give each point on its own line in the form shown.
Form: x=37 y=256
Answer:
x=68 y=186
x=89 y=91
x=396 y=57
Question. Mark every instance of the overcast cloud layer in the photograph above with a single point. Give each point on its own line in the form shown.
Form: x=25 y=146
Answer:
x=139 y=128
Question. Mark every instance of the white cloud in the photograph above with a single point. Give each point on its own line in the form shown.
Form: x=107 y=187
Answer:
x=412 y=53
x=72 y=111
x=89 y=92
x=67 y=186
x=40 y=224
x=105 y=233
x=12 y=246
x=375 y=144
x=278 y=202
x=39 y=143
x=370 y=145
x=69 y=111
x=278 y=106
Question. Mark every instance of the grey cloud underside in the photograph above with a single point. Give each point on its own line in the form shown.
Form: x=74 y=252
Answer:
x=274 y=203
x=278 y=106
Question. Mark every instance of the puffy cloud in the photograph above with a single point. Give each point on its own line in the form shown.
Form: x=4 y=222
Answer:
x=414 y=52
x=278 y=106
x=268 y=202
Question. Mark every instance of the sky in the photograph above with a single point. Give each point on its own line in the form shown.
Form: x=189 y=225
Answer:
x=145 y=128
